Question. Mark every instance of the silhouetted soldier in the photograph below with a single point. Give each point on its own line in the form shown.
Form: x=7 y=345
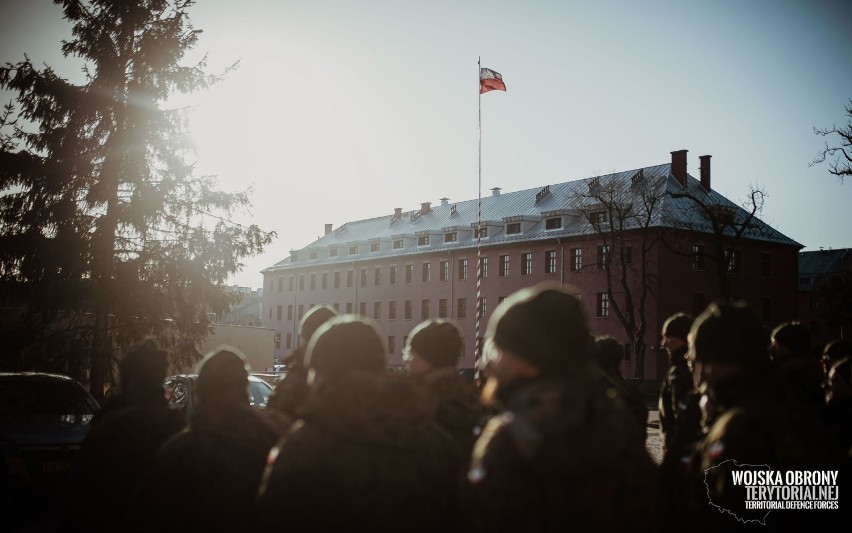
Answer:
x=206 y=478
x=754 y=422
x=124 y=439
x=292 y=391
x=563 y=455
x=679 y=416
x=833 y=352
x=800 y=373
x=609 y=353
x=367 y=454
x=431 y=355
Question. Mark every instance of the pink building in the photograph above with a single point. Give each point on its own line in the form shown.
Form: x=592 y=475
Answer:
x=407 y=266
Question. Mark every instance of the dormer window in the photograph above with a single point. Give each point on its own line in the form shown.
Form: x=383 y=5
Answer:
x=353 y=250
x=452 y=236
x=481 y=233
x=553 y=223
x=312 y=256
x=513 y=228
x=375 y=246
x=294 y=258
x=398 y=244
x=423 y=240
x=597 y=217
x=332 y=252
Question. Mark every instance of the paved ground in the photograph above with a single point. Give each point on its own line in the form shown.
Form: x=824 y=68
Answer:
x=652 y=442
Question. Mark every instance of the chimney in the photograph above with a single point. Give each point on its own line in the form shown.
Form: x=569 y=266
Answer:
x=445 y=201
x=705 y=171
x=328 y=228
x=397 y=212
x=425 y=208
x=679 y=166
x=495 y=191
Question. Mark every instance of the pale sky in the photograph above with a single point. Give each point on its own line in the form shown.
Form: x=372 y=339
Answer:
x=344 y=110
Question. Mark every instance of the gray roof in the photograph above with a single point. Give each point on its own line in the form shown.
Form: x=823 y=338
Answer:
x=816 y=265
x=531 y=207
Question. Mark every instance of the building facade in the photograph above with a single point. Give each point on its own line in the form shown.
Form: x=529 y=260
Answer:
x=825 y=294
x=406 y=267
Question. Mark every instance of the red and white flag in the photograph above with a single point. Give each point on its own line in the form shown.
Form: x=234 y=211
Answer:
x=490 y=81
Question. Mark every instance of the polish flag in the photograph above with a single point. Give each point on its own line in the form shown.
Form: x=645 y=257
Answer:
x=490 y=81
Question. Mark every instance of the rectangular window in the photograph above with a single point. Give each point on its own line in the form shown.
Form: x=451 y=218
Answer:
x=423 y=240
x=553 y=223
x=526 y=264
x=363 y=277
x=301 y=282
x=398 y=244
x=336 y=308
x=451 y=236
x=325 y=280
x=270 y=313
x=628 y=351
x=513 y=229
x=377 y=310
x=765 y=265
x=348 y=308
x=408 y=309
x=504 y=266
x=409 y=273
x=289 y=341
x=483 y=267
x=424 y=309
x=332 y=252
x=377 y=276
x=628 y=255
x=442 y=308
x=550 y=262
x=426 y=274
x=698 y=303
x=481 y=232
x=362 y=308
x=481 y=307
x=289 y=312
x=301 y=311
x=392 y=275
x=375 y=246
x=392 y=310
x=732 y=260
x=313 y=281
x=445 y=270
x=576 y=259
x=462 y=268
x=697 y=257
x=391 y=344
x=598 y=217
x=353 y=250
x=461 y=308
x=290 y=283
x=603 y=256
x=278 y=313
x=312 y=256
x=603 y=305
x=350 y=278
x=281 y=284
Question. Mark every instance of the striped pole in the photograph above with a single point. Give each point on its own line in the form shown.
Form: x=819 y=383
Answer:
x=477 y=348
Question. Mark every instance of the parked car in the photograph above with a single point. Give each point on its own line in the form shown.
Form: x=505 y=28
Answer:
x=43 y=420
x=179 y=391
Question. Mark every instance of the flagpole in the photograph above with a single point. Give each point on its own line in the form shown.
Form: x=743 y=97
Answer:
x=477 y=355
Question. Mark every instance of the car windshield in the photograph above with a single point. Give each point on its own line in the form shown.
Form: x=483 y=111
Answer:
x=259 y=392
x=43 y=397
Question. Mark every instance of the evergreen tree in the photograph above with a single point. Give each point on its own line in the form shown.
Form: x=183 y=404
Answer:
x=106 y=235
